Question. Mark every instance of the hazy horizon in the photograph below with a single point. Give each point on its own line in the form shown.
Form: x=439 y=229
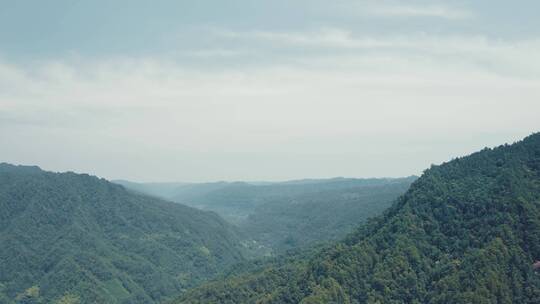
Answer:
x=263 y=90
x=259 y=180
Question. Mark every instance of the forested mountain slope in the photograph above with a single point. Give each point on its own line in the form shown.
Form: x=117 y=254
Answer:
x=316 y=216
x=76 y=236
x=467 y=231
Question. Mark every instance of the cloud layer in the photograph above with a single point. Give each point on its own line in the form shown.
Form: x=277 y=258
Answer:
x=429 y=10
x=317 y=99
x=371 y=101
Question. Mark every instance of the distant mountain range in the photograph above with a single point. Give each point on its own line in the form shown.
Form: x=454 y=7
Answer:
x=467 y=231
x=287 y=215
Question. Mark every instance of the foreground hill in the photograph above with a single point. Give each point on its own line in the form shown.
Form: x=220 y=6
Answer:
x=467 y=231
x=287 y=215
x=77 y=236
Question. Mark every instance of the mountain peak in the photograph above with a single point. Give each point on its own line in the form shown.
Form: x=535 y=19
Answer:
x=5 y=167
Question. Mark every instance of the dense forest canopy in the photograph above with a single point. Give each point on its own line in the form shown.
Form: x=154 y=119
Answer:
x=72 y=237
x=467 y=231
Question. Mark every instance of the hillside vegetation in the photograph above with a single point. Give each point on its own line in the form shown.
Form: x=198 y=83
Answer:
x=66 y=237
x=321 y=215
x=467 y=231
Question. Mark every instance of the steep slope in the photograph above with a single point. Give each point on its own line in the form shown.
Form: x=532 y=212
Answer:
x=467 y=231
x=66 y=233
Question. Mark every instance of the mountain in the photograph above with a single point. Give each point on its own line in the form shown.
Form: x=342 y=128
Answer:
x=292 y=214
x=321 y=213
x=67 y=236
x=237 y=200
x=467 y=231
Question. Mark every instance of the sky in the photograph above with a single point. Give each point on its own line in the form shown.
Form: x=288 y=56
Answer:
x=263 y=90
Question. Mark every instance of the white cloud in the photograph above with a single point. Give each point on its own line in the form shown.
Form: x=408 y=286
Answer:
x=427 y=10
x=516 y=58
x=330 y=113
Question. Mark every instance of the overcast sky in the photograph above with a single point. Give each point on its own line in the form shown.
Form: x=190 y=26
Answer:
x=263 y=90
